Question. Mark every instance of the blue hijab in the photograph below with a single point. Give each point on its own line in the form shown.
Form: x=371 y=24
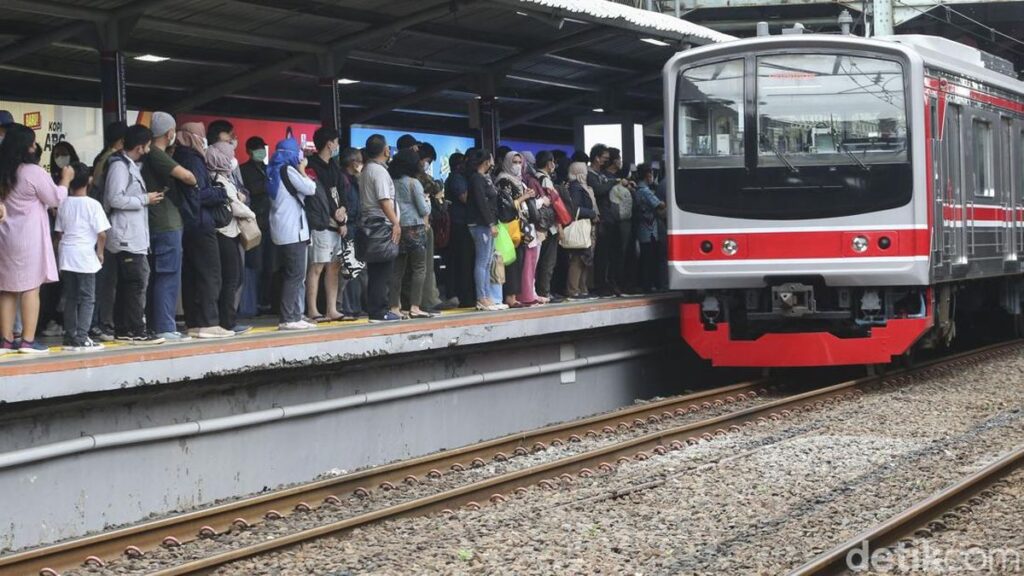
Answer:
x=287 y=153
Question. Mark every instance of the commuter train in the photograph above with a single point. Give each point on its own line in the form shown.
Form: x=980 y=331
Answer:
x=837 y=200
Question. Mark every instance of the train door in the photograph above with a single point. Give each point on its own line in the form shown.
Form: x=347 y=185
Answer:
x=1010 y=198
x=954 y=210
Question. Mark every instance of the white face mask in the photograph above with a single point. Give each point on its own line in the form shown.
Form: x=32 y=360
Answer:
x=234 y=164
x=62 y=161
x=428 y=168
x=517 y=169
x=173 y=139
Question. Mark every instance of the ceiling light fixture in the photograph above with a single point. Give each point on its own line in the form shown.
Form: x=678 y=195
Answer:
x=655 y=41
x=347 y=81
x=599 y=110
x=151 y=58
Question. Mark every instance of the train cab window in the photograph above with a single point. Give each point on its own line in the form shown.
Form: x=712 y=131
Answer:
x=984 y=161
x=830 y=109
x=710 y=115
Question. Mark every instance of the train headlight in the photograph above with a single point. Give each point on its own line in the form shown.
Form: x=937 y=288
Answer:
x=729 y=247
x=859 y=244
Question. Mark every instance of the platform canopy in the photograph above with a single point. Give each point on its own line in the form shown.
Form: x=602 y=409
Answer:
x=416 y=64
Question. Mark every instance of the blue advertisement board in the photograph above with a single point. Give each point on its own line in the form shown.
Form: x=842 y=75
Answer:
x=535 y=147
x=444 y=144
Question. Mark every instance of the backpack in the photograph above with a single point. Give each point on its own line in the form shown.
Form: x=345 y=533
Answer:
x=98 y=191
x=441 y=223
x=622 y=203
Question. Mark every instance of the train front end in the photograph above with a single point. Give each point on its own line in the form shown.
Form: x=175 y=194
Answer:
x=798 y=220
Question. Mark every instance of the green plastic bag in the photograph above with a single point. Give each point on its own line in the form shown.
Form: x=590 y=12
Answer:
x=503 y=244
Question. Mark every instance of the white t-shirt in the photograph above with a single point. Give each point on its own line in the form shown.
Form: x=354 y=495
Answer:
x=80 y=219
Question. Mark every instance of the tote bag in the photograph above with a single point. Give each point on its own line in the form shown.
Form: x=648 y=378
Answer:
x=503 y=245
x=249 y=232
x=576 y=236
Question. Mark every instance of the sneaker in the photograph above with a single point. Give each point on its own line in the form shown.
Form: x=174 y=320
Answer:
x=213 y=332
x=297 y=325
x=101 y=335
x=7 y=347
x=174 y=336
x=501 y=306
x=388 y=317
x=124 y=338
x=85 y=346
x=32 y=348
x=53 y=329
x=147 y=340
x=241 y=329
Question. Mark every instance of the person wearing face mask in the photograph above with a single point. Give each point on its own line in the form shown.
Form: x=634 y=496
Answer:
x=224 y=131
x=159 y=172
x=351 y=300
x=200 y=273
x=327 y=215
x=220 y=160
x=482 y=219
x=63 y=154
x=434 y=192
x=127 y=200
x=259 y=262
x=511 y=185
x=26 y=251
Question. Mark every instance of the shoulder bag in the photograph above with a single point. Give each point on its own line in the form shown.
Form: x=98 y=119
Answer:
x=576 y=236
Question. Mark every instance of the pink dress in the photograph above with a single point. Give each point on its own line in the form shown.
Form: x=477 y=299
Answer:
x=27 y=260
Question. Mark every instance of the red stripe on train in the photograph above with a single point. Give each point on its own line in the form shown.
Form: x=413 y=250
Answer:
x=798 y=244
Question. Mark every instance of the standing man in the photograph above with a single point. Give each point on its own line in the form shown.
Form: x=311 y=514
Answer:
x=327 y=218
x=259 y=262
x=127 y=200
x=351 y=300
x=165 y=228
x=607 y=231
x=378 y=207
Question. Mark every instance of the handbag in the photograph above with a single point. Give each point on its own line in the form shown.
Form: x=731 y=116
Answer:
x=249 y=232
x=497 y=269
x=503 y=245
x=351 y=267
x=515 y=231
x=576 y=236
x=506 y=207
x=221 y=215
x=562 y=215
x=373 y=242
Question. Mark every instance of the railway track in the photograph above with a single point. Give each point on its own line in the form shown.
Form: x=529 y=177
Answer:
x=920 y=514
x=494 y=489
x=177 y=530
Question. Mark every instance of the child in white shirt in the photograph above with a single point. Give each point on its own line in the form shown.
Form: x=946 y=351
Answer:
x=83 y=225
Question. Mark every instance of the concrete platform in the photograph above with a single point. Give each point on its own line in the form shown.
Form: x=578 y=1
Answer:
x=120 y=366
x=89 y=441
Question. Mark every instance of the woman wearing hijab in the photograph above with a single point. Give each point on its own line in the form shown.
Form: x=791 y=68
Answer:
x=220 y=159
x=580 y=260
x=288 y=187
x=531 y=255
x=510 y=185
x=414 y=214
x=201 y=274
x=27 y=259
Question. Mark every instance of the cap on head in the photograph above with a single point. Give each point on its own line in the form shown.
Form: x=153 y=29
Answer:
x=162 y=123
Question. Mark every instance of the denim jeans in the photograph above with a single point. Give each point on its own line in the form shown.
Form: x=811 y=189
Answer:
x=484 y=244
x=293 y=288
x=164 y=280
x=79 y=301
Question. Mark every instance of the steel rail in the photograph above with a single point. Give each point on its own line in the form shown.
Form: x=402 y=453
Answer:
x=186 y=527
x=601 y=460
x=834 y=561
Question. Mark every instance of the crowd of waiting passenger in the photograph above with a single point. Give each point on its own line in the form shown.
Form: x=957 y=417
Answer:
x=165 y=218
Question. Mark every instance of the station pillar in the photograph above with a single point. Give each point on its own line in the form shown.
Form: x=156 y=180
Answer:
x=327 y=90
x=484 y=115
x=112 y=75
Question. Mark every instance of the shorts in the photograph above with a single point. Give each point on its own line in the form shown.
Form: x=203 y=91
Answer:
x=323 y=246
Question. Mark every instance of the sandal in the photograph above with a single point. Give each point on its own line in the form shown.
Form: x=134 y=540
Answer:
x=422 y=314
x=318 y=319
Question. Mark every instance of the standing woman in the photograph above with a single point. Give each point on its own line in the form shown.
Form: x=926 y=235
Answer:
x=220 y=159
x=26 y=250
x=413 y=214
x=580 y=260
x=201 y=271
x=510 y=185
x=482 y=218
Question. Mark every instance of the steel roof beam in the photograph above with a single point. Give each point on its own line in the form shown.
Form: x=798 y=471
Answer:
x=499 y=66
x=258 y=73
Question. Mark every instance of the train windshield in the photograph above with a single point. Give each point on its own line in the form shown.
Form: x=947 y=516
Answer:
x=799 y=135
x=830 y=109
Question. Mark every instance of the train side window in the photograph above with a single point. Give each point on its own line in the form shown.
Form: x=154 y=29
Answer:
x=951 y=136
x=984 y=161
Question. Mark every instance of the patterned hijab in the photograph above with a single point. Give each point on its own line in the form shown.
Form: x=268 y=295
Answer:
x=219 y=158
x=508 y=174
